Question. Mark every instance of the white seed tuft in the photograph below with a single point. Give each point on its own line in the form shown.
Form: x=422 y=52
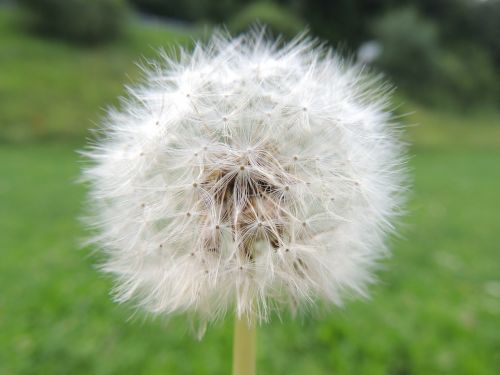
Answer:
x=247 y=177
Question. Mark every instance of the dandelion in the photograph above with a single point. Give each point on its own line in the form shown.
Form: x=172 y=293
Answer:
x=246 y=177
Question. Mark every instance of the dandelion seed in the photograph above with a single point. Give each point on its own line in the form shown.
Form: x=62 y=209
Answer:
x=262 y=248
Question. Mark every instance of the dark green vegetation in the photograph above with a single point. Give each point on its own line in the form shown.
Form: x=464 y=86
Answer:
x=277 y=19
x=80 y=21
x=435 y=311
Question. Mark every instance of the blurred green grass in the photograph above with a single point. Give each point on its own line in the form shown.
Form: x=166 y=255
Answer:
x=435 y=311
x=52 y=90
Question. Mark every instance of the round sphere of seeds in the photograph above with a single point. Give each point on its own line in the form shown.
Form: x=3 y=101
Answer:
x=246 y=176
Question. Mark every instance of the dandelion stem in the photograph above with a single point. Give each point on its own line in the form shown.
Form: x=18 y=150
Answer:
x=244 y=346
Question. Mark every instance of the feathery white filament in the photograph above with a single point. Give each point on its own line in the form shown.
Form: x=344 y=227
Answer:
x=247 y=176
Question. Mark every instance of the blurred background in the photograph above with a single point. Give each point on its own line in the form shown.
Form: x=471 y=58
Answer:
x=437 y=307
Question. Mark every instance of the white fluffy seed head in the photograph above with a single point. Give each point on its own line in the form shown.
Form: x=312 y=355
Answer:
x=246 y=177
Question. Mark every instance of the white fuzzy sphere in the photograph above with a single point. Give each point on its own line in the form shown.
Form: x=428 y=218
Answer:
x=246 y=177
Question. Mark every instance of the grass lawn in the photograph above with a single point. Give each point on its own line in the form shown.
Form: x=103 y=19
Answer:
x=435 y=311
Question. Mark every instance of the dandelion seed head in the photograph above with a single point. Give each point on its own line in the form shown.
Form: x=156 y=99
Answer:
x=246 y=177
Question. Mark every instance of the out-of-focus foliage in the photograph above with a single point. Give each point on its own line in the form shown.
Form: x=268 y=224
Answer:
x=339 y=20
x=475 y=21
x=410 y=50
x=192 y=10
x=487 y=27
x=278 y=19
x=467 y=74
x=434 y=70
x=84 y=21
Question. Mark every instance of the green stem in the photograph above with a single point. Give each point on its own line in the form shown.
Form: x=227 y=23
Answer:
x=244 y=346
